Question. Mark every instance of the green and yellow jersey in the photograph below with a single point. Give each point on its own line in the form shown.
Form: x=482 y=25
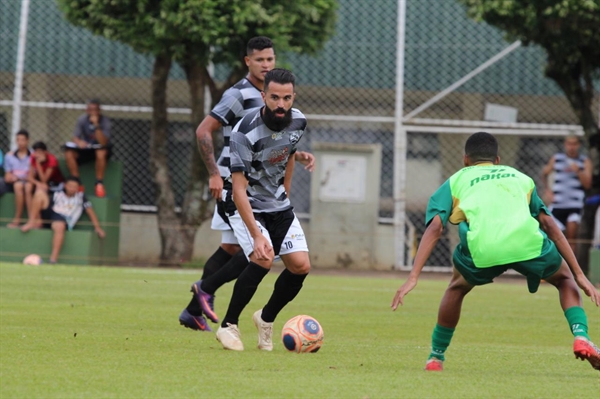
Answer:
x=495 y=207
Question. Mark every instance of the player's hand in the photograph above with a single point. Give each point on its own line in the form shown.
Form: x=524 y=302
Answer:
x=588 y=288
x=41 y=186
x=262 y=248
x=94 y=118
x=402 y=291
x=215 y=185
x=100 y=232
x=573 y=167
x=307 y=159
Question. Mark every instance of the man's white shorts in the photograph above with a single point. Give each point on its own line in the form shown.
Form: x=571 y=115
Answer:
x=290 y=235
x=218 y=223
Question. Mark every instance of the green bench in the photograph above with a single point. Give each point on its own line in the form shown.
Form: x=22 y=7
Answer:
x=82 y=246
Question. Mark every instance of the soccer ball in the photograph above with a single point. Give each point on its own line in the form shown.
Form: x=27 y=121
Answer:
x=302 y=334
x=32 y=259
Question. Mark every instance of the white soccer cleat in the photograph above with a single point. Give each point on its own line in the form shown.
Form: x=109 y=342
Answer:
x=265 y=332
x=230 y=337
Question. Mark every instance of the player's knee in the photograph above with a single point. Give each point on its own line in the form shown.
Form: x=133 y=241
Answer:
x=264 y=263
x=300 y=267
x=101 y=154
x=70 y=155
x=59 y=227
x=231 y=249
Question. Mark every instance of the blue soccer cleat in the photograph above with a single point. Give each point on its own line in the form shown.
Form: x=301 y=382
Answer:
x=198 y=323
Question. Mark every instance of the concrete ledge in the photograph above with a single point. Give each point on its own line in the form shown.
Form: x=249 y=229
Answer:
x=81 y=247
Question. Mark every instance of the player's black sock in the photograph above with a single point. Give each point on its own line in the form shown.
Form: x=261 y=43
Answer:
x=287 y=286
x=214 y=263
x=229 y=272
x=243 y=290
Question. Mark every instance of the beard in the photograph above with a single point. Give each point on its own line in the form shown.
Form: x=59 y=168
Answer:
x=277 y=123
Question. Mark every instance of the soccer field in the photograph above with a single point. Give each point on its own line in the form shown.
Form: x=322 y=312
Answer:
x=93 y=332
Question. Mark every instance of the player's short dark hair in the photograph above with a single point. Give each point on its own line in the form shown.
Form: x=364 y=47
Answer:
x=73 y=178
x=24 y=133
x=258 y=43
x=39 y=145
x=481 y=146
x=279 y=75
x=94 y=101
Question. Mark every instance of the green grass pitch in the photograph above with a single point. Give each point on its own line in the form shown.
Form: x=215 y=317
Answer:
x=93 y=332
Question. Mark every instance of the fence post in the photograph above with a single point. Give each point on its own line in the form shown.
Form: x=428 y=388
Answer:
x=18 y=89
x=400 y=145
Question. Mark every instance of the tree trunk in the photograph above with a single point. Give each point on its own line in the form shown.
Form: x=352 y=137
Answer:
x=197 y=204
x=168 y=222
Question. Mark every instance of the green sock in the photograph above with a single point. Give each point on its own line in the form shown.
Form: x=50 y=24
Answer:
x=577 y=321
x=440 y=339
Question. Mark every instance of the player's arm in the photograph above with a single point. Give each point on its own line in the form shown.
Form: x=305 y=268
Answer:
x=564 y=248
x=45 y=175
x=102 y=131
x=585 y=174
x=289 y=173
x=31 y=175
x=9 y=176
x=207 y=152
x=94 y=219
x=242 y=203
x=78 y=133
x=305 y=158
x=548 y=168
x=428 y=241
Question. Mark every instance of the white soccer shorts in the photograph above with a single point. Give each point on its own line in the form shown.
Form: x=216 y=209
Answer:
x=294 y=241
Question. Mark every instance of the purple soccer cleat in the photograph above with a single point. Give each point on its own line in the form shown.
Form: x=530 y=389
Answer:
x=188 y=320
x=206 y=301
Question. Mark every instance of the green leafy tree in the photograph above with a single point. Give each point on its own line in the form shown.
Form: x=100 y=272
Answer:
x=193 y=33
x=568 y=30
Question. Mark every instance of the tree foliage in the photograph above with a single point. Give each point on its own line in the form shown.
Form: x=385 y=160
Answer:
x=194 y=33
x=568 y=30
x=206 y=30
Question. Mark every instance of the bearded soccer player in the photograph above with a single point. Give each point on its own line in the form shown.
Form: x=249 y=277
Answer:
x=228 y=261
x=263 y=145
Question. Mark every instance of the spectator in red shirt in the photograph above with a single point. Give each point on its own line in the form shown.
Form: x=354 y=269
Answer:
x=45 y=175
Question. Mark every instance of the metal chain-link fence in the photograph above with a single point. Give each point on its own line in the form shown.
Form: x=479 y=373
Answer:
x=348 y=93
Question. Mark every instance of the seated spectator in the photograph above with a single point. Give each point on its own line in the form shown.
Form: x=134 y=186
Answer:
x=62 y=210
x=90 y=142
x=16 y=169
x=44 y=175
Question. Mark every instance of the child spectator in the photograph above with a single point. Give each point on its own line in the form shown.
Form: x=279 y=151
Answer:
x=62 y=210
x=44 y=175
x=16 y=168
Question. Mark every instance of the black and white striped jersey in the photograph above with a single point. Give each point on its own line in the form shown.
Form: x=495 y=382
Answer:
x=262 y=154
x=236 y=102
x=567 y=188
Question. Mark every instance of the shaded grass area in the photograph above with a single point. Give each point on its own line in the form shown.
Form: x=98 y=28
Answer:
x=92 y=332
